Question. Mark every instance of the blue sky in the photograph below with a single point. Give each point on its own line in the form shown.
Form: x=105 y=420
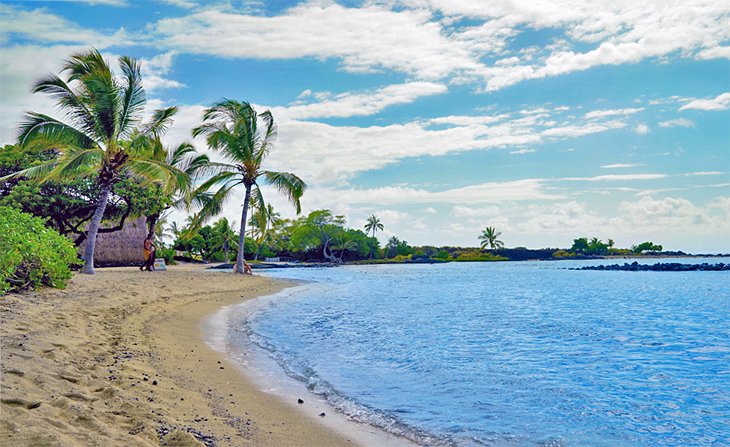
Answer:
x=549 y=120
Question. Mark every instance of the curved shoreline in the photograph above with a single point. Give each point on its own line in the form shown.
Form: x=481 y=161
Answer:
x=118 y=359
x=266 y=374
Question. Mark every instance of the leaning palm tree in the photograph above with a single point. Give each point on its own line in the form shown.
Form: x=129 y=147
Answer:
x=489 y=239
x=373 y=224
x=233 y=128
x=102 y=114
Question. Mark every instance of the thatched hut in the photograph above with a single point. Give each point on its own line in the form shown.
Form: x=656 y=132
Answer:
x=123 y=247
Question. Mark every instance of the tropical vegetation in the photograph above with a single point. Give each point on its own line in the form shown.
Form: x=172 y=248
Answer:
x=33 y=254
x=102 y=138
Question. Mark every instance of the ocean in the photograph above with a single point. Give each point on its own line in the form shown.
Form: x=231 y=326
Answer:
x=504 y=354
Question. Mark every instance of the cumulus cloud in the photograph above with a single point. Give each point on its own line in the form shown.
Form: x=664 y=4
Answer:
x=720 y=102
x=423 y=38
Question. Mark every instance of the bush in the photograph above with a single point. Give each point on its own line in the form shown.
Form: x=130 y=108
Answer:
x=32 y=254
x=168 y=254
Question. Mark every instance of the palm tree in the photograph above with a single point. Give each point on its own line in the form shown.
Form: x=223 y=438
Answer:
x=393 y=243
x=489 y=239
x=232 y=128
x=183 y=158
x=262 y=223
x=373 y=224
x=224 y=236
x=99 y=135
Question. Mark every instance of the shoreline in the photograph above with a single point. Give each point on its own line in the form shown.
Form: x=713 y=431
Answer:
x=268 y=375
x=117 y=358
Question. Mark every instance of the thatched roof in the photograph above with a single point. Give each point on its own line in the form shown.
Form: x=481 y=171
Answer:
x=122 y=247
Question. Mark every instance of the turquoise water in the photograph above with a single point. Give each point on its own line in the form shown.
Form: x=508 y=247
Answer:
x=517 y=354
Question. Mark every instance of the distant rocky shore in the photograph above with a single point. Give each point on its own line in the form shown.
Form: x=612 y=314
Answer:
x=660 y=267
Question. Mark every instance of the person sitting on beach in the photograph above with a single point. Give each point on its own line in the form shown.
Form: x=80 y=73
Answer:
x=247 y=268
x=149 y=254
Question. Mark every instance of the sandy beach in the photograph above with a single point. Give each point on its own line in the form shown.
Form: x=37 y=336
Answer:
x=117 y=358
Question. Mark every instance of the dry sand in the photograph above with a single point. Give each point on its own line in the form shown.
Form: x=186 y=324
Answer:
x=117 y=359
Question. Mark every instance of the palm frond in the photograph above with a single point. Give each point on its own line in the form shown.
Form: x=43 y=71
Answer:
x=52 y=131
x=211 y=205
x=158 y=171
x=75 y=162
x=288 y=184
x=133 y=99
x=161 y=121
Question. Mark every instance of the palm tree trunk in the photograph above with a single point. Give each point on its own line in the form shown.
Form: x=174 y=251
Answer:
x=88 y=267
x=242 y=237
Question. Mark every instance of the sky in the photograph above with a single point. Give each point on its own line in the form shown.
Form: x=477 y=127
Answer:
x=547 y=119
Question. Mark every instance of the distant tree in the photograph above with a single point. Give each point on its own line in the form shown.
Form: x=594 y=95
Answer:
x=373 y=225
x=223 y=237
x=489 y=239
x=646 y=246
x=232 y=128
x=580 y=245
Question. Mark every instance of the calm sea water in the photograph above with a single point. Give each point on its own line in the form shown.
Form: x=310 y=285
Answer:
x=516 y=354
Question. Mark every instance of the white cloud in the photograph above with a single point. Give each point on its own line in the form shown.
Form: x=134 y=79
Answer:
x=364 y=39
x=641 y=129
x=40 y=26
x=155 y=68
x=411 y=40
x=358 y=104
x=523 y=151
x=616 y=177
x=720 y=102
x=703 y=173
x=679 y=122
x=612 y=112
x=620 y=165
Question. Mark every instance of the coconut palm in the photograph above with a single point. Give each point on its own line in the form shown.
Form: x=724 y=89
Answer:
x=224 y=236
x=393 y=243
x=233 y=128
x=489 y=239
x=373 y=225
x=262 y=223
x=100 y=131
x=185 y=159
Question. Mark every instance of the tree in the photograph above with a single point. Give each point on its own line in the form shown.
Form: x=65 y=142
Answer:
x=262 y=224
x=373 y=225
x=224 y=236
x=489 y=239
x=393 y=244
x=102 y=111
x=580 y=245
x=646 y=246
x=69 y=205
x=183 y=158
x=232 y=128
x=319 y=229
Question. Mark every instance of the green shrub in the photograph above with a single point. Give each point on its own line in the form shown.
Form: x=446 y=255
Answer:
x=168 y=254
x=563 y=254
x=32 y=254
x=478 y=257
